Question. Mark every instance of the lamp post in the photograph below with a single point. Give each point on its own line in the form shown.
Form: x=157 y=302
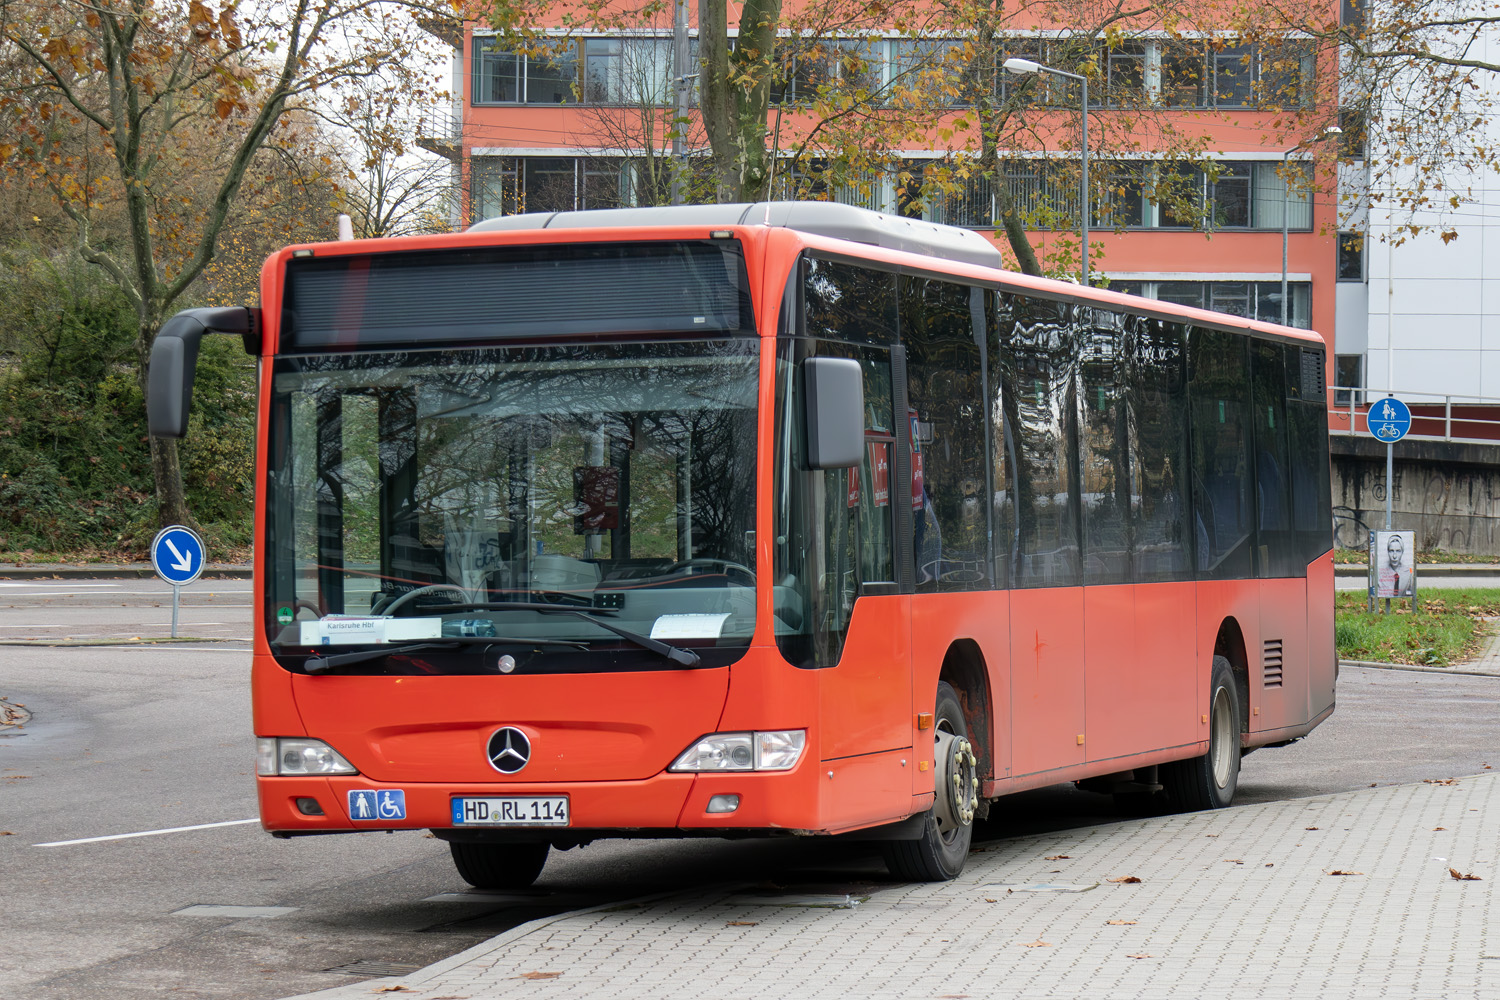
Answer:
x=1016 y=65
x=1286 y=203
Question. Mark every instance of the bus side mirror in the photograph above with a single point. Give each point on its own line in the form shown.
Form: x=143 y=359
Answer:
x=834 y=396
x=174 y=358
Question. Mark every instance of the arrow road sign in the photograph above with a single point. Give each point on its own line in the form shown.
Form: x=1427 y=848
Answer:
x=1389 y=420
x=177 y=555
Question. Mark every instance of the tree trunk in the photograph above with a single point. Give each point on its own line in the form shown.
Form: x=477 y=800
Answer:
x=735 y=94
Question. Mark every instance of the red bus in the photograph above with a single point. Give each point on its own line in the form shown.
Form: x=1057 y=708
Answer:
x=787 y=519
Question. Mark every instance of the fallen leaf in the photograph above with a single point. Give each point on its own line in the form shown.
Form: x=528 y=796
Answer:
x=743 y=923
x=1057 y=857
x=6 y=833
x=1055 y=871
x=1270 y=865
x=1438 y=828
x=1119 y=923
x=1471 y=877
x=539 y=975
x=989 y=900
x=1439 y=781
x=392 y=989
x=1210 y=835
x=1340 y=871
x=1233 y=861
x=1309 y=828
x=1038 y=943
x=1141 y=955
x=1126 y=879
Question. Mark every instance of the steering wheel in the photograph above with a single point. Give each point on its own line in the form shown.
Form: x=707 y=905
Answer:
x=725 y=566
x=431 y=588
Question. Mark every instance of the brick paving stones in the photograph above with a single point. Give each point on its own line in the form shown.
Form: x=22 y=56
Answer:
x=1232 y=904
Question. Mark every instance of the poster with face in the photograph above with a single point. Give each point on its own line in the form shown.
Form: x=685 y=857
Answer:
x=1393 y=563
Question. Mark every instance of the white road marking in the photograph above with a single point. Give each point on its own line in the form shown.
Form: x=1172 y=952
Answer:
x=56 y=583
x=146 y=833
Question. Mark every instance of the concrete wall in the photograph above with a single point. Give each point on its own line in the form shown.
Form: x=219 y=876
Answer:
x=1449 y=494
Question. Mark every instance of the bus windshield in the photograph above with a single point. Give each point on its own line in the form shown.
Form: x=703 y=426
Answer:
x=453 y=493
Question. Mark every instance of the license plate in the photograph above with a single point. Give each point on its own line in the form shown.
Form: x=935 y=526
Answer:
x=511 y=810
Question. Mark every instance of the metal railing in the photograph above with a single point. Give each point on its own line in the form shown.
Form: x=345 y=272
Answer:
x=1434 y=416
x=442 y=121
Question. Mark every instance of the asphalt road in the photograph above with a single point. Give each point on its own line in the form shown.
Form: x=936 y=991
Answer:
x=135 y=739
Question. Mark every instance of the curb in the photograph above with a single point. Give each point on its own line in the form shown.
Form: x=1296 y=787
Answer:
x=158 y=641
x=50 y=571
x=1347 y=570
x=1420 y=669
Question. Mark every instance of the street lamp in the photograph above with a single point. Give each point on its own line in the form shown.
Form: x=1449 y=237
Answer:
x=1016 y=65
x=1286 y=203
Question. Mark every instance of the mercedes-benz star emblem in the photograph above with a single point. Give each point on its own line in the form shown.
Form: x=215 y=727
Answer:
x=509 y=750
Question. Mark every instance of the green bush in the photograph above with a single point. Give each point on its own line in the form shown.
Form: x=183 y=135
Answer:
x=75 y=469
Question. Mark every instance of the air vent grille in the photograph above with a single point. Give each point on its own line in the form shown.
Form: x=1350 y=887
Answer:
x=1271 y=663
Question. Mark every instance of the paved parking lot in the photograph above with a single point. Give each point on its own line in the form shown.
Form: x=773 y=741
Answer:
x=1339 y=896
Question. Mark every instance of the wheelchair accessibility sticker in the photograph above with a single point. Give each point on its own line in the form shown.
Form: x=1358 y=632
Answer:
x=373 y=806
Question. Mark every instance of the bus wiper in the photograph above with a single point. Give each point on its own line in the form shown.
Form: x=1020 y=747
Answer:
x=323 y=664
x=676 y=654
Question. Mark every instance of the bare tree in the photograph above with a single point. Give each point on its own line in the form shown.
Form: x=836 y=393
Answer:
x=137 y=77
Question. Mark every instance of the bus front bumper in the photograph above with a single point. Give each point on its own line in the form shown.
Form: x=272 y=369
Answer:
x=739 y=801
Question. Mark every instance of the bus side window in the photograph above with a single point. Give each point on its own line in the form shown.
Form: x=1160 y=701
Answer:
x=1275 y=543
x=945 y=392
x=1219 y=379
x=1037 y=358
x=1104 y=442
x=1161 y=546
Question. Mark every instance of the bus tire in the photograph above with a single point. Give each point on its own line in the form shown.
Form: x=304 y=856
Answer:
x=499 y=866
x=938 y=855
x=1209 y=781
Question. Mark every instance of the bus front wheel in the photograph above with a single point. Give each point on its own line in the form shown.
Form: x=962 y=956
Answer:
x=948 y=828
x=499 y=866
x=1209 y=781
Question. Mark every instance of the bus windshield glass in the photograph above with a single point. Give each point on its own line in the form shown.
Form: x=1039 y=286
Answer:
x=463 y=493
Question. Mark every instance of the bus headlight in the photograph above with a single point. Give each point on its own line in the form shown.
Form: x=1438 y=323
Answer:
x=298 y=756
x=773 y=751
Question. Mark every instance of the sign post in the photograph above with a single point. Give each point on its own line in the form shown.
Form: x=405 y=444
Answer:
x=177 y=557
x=1389 y=420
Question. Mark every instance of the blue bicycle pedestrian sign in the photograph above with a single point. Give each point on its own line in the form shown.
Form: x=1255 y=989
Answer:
x=1389 y=420
x=177 y=555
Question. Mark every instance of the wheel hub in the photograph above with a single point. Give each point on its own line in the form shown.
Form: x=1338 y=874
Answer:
x=957 y=782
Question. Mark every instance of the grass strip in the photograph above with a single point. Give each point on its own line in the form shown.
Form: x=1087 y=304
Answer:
x=1448 y=628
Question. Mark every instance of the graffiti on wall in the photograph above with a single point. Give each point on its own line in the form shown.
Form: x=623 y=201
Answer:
x=1451 y=507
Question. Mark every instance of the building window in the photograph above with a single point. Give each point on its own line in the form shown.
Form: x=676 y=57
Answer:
x=631 y=71
x=508 y=185
x=934 y=71
x=1259 y=300
x=1242 y=194
x=1348 y=372
x=1235 y=76
x=505 y=77
x=808 y=64
x=1354 y=123
x=1351 y=257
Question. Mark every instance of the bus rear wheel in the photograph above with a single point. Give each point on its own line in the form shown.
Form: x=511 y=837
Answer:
x=948 y=828
x=499 y=866
x=1209 y=781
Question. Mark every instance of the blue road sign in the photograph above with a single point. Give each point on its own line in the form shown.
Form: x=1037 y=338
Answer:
x=1389 y=420
x=177 y=555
